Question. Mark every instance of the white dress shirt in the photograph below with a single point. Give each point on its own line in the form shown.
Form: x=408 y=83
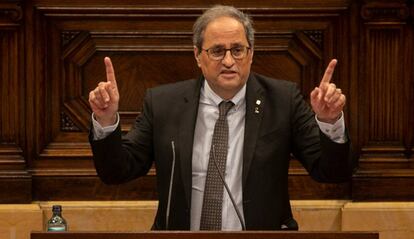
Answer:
x=208 y=113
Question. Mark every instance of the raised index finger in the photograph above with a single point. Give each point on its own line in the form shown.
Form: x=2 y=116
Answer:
x=328 y=73
x=110 y=74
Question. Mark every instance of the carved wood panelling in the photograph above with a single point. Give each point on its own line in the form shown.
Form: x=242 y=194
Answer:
x=316 y=36
x=11 y=89
x=412 y=10
x=67 y=123
x=384 y=185
x=385 y=11
x=289 y=56
x=15 y=181
x=68 y=36
x=384 y=80
x=11 y=11
x=410 y=74
x=387 y=104
x=148 y=46
x=45 y=84
x=138 y=54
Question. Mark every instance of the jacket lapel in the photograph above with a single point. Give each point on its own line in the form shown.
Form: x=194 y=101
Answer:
x=186 y=135
x=255 y=101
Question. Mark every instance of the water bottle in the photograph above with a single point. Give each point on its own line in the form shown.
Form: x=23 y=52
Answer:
x=57 y=223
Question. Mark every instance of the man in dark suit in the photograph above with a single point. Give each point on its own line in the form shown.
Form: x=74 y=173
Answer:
x=265 y=122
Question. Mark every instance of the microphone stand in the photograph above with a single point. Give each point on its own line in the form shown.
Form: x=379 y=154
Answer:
x=167 y=216
x=243 y=225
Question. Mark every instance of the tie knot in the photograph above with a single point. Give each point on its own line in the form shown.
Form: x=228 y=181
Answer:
x=224 y=107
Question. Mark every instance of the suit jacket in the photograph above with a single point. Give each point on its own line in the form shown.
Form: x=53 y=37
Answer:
x=284 y=125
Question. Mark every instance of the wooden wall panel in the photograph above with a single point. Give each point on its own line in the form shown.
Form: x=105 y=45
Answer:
x=409 y=64
x=52 y=56
x=386 y=82
x=149 y=46
x=15 y=181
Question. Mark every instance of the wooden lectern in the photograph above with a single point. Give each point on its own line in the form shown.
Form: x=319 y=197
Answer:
x=204 y=235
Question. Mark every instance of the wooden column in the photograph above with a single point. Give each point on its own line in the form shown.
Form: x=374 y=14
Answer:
x=15 y=181
x=386 y=102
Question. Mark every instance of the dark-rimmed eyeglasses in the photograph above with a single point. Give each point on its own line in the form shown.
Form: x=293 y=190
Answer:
x=218 y=53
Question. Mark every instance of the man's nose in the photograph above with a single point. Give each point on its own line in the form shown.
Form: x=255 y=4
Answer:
x=228 y=59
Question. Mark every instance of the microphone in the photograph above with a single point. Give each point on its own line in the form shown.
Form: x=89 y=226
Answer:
x=167 y=216
x=243 y=225
x=289 y=224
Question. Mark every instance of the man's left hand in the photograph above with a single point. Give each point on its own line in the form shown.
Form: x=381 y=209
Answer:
x=328 y=101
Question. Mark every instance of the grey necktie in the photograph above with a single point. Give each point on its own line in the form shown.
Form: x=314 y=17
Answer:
x=213 y=190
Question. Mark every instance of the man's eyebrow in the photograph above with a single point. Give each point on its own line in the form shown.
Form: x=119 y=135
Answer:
x=217 y=46
x=237 y=44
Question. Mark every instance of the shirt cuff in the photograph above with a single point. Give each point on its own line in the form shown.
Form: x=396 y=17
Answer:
x=336 y=131
x=100 y=132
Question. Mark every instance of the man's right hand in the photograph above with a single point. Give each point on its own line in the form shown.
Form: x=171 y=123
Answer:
x=104 y=99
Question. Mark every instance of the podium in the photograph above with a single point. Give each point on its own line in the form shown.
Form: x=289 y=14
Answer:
x=205 y=235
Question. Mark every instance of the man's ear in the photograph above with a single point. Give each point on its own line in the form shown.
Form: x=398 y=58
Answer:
x=197 y=56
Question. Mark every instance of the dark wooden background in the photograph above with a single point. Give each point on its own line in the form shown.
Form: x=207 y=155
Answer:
x=52 y=56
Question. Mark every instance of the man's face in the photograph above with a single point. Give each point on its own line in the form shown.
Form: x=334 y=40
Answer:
x=228 y=75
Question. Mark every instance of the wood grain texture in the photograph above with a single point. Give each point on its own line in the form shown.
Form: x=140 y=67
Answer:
x=15 y=181
x=52 y=56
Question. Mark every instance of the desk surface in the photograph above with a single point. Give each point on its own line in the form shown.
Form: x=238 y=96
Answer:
x=204 y=235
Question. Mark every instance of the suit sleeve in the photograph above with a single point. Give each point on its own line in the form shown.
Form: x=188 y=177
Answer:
x=120 y=158
x=325 y=160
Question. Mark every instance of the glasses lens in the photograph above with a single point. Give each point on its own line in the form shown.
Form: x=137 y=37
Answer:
x=238 y=52
x=217 y=52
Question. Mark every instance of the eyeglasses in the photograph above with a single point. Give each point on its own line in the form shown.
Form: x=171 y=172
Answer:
x=218 y=53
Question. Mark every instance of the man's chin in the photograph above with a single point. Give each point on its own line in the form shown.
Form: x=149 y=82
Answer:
x=231 y=86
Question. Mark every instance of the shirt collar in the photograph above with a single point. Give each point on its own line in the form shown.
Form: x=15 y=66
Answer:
x=210 y=97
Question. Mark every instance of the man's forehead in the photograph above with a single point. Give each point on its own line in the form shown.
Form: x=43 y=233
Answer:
x=224 y=24
x=224 y=31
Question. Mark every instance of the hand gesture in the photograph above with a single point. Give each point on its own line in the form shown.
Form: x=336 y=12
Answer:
x=328 y=101
x=104 y=99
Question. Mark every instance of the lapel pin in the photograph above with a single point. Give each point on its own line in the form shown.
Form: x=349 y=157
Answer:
x=256 y=109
